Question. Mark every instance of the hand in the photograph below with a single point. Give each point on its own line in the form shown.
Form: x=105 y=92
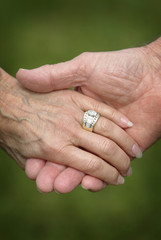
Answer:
x=48 y=126
x=129 y=80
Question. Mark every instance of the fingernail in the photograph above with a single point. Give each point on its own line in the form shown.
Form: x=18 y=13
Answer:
x=57 y=192
x=137 y=151
x=129 y=172
x=84 y=187
x=126 y=122
x=120 y=180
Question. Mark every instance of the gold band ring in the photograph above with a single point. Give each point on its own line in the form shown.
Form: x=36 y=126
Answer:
x=89 y=120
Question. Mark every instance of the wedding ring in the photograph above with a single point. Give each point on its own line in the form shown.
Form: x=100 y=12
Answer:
x=89 y=120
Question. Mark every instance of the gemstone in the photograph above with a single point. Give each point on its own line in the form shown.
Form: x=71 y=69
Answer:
x=92 y=113
x=88 y=125
x=90 y=119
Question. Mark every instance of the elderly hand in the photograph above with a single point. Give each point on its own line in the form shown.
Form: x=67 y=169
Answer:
x=48 y=126
x=129 y=80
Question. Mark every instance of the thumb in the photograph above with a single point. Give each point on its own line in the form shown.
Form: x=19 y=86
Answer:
x=52 y=77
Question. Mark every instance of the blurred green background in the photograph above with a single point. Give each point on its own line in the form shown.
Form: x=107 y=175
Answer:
x=33 y=33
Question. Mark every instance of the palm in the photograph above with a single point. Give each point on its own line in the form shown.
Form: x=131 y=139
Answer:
x=122 y=79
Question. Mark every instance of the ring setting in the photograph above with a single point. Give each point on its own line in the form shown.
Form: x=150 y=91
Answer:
x=89 y=120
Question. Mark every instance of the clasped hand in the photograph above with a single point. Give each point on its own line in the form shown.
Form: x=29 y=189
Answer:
x=63 y=155
x=47 y=130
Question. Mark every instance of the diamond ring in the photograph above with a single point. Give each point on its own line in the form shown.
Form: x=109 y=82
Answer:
x=89 y=120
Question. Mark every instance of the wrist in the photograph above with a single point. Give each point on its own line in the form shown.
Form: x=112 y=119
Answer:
x=12 y=111
x=7 y=104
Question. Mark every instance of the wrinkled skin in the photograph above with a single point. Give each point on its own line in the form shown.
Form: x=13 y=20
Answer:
x=48 y=126
x=129 y=80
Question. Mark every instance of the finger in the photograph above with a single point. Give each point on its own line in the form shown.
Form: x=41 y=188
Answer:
x=106 y=149
x=47 y=175
x=51 y=77
x=108 y=126
x=92 y=184
x=68 y=180
x=87 y=163
x=86 y=103
x=33 y=167
x=112 y=131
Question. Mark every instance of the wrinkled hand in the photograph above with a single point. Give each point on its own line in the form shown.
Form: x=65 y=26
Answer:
x=48 y=126
x=129 y=80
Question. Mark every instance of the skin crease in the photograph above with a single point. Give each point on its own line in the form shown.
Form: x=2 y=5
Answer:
x=48 y=126
x=130 y=80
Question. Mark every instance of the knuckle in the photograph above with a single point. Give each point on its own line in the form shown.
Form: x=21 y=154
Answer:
x=127 y=140
x=51 y=147
x=114 y=176
x=113 y=114
x=83 y=64
x=106 y=125
x=48 y=147
x=93 y=166
x=108 y=147
x=82 y=70
x=95 y=105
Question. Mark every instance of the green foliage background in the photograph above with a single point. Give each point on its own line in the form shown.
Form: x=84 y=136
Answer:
x=33 y=33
